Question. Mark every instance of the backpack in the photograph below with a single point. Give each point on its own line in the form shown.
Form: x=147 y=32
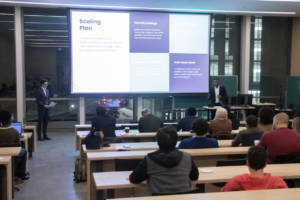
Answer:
x=93 y=140
x=80 y=170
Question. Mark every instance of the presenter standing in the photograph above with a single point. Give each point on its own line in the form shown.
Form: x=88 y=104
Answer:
x=215 y=94
x=43 y=101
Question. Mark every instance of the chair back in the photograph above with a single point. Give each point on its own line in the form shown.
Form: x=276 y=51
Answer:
x=224 y=137
x=126 y=164
x=248 y=139
x=235 y=162
x=197 y=190
x=285 y=159
x=10 y=145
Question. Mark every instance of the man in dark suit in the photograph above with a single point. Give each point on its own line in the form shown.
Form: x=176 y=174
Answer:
x=215 y=94
x=43 y=101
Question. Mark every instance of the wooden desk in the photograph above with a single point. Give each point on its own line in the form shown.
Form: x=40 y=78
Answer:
x=142 y=137
x=145 y=146
x=32 y=141
x=117 y=180
x=87 y=127
x=104 y=161
x=6 y=177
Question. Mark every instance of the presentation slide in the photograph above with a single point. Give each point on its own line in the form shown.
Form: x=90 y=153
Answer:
x=139 y=52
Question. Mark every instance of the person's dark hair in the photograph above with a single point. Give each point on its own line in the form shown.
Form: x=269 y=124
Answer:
x=101 y=110
x=228 y=109
x=191 y=111
x=167 y=137
x=216 y=79
x=257 y=157
x=42 y=81
x=200 y=126
x=252 y=121
x=297 y=114
x=266 y=115
x=5 y=116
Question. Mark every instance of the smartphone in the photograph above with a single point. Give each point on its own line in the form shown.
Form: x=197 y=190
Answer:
x=126 y=146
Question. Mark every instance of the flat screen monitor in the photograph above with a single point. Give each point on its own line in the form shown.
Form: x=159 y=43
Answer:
x=17 y=126
x=122 y=52
x=244 y=100
x=233 y=101
x=112 y=104
x=224 y=100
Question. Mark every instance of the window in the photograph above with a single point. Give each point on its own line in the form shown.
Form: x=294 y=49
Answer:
x=256 y=93
x=256 y=72
x=228 y=68
x=159 y=107
x=214 y=68
x=257 y=50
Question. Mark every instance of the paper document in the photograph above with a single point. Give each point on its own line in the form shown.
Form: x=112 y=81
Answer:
x=52 y=104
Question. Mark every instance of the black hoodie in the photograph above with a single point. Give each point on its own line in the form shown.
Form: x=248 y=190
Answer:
x=235 y=121
x=167 y=158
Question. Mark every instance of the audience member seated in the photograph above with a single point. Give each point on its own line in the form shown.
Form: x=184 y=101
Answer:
x=251 y=124
x=200 y=127
x=265 y=118
x=220 y=125
x=257 y=179
x=280 y=141
x=297 y=114
x=106 y=123
x=296 y=124
x=9 y=135
x=168 y=169
x=186 y=122
x=149 y=123
x=235 y=121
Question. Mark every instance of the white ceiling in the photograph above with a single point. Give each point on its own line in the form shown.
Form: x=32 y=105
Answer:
x=239 y=7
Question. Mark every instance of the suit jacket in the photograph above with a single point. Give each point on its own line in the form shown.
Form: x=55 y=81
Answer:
x=106 y=123
x=149 y=123
x=212 y=93
x=42 y=99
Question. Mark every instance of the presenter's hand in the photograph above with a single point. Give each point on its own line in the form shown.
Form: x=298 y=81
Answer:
x=219 y=96
x=208 y=95
x=46 y=106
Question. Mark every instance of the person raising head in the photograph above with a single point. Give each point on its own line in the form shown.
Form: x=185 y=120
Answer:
x=281 y=140
x=265 y=118
x=251 y=125
x=199 y=141
x=185 y=123
x=149 y=123
x=257 y=179
x=220 y=125
x=167 y=169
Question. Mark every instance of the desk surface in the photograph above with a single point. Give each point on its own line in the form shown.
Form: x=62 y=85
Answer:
x=28 y=135
x=136 y=134
x=113 y=180
x=138 y=146
x=4 y=160
x=10 y=151
x=264 y=104
x=28 y=127
x=142 y=154
x=119 y=125
x=24 y=138
x=287 y=194
x=231 y=108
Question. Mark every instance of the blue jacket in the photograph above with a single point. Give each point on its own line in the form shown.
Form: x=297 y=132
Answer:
x=212 y=93
x=186 y=123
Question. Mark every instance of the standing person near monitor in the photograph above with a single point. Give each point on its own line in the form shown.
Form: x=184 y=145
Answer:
x=43 y=101
x=215 y=94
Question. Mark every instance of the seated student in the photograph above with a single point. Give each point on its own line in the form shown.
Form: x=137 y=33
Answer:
x=257 y=179
x=280 y=141
x=168 y=169
x=235 y=121
x=106 y=123
x=200 y=127
x=296 y=124
x=265 y=118
x=220 y=125
x=9 y=135
x=149 y=123
x=186 y=122
x=251 y=124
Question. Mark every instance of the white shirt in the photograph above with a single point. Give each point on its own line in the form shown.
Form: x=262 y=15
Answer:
x=44 y=91
x=217 y=92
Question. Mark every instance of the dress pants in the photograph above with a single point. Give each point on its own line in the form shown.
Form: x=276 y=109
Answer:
x=43 y=119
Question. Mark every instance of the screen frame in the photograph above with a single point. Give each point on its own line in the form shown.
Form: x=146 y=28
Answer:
x=132 y=94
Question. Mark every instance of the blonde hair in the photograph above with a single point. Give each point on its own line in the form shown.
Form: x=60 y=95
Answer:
x=221 y=114
x=296 y=124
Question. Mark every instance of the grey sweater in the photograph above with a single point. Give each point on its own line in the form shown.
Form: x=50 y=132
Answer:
x=238 y=139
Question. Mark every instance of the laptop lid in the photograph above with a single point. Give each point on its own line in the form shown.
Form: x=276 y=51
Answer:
x=17 y=126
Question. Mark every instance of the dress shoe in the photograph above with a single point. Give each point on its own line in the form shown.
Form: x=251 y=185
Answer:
x=47 y=138
x=41 y=139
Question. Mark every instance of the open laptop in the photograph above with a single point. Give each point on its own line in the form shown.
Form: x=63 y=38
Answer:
x=17 y=126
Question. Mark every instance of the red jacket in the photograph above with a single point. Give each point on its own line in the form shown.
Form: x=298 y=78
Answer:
x=249 y=182
x=281 y=141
